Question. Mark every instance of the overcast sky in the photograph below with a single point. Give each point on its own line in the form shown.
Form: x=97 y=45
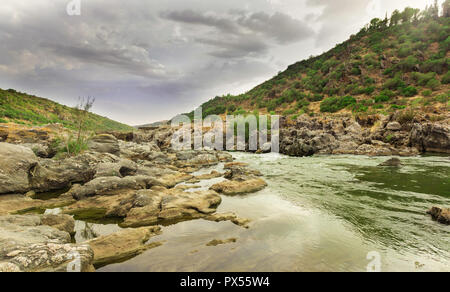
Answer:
x=146 y=61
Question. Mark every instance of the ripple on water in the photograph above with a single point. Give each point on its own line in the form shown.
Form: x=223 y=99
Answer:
x=322 y=213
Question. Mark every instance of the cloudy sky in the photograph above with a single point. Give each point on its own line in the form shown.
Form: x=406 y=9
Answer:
x=146 y=61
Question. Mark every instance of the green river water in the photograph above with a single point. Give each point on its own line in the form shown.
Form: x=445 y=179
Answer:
x=322 y=213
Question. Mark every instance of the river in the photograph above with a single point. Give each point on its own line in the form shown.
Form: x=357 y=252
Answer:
x=321 y=213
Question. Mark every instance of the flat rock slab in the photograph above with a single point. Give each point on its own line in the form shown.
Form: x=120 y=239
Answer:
x=232 y=187
x=13 y=204
x=122 y=245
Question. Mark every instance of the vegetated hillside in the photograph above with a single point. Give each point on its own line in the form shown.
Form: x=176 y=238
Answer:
x=21 y=108
x=391 y=64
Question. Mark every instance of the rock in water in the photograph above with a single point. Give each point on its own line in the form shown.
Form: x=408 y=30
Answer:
x=440 y=215
x=122 y=245
x=16 y=163
x=393 y=162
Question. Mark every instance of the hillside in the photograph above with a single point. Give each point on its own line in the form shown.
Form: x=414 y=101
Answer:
x=390 y=65
x=21 y=108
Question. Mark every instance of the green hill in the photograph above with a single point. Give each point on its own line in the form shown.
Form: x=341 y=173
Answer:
x=390 y=65
x=21 y=108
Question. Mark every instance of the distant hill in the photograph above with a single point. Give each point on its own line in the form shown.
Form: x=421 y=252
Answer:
x=152 y=125
x=392 y=64
x=22 y=108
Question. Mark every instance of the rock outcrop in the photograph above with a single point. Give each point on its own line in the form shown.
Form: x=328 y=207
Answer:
x=374 y=136
x=17 y=165
x=431 y=137
x=28 y=244
x=122 y=245
x=160 y=206
x=104 y=143
x=240 y=180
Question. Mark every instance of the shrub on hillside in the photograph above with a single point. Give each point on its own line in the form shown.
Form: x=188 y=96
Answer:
x=335 y=104
x=433 y=84
x=409 y=91
x=427 y=93
x=446 y=78
x=381 y=98
x=394 y=83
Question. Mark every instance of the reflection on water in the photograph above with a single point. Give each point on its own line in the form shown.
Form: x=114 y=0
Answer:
x=321 y=213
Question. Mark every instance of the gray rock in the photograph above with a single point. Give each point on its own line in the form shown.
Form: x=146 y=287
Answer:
x=394 y=126
x=16 y=165
x=104 y=143
x=59 y=174
x=431 y=137
x=393 y=162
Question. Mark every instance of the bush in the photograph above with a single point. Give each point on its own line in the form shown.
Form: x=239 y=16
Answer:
x=335 y=104
x=446 y=78
x=422 y=79
x=73 y=146
x=231 y=108
x=394 y=83
x=409 y=91
x=2 y=121
x=438 y=66
x=442 y=98
x=289 y=112
x=396 y=106
x=315 y=97
x=369 y=90
x=408 y=64
x=382 y=98
x=427 y=93
x=406 y=117
x=433 y=84
x=359 y=108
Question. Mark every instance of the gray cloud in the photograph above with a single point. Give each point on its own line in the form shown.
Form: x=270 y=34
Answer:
x=238 y=33
x=149 y=60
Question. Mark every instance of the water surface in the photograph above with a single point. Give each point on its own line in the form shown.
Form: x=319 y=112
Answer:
x=323 y=213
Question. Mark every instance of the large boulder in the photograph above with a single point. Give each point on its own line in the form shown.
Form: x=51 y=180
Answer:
x=52 y=174
x=440 y=215
x=104 y=143
x=431 y=137
x=109 y=186
x=161 y=205
x=17 y=164
x=146 y=151
x=121 y=168
x=240 y=180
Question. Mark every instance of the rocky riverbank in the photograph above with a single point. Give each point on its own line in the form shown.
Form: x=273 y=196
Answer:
x=398 y=134
x=139 y=182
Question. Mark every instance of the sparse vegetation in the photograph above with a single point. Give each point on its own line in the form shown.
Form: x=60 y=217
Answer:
x=30 y=110
x=389 y=59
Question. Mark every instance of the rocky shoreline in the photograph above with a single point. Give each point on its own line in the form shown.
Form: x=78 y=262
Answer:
x=377 y=135
x=137 y=179
x=141 y=184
